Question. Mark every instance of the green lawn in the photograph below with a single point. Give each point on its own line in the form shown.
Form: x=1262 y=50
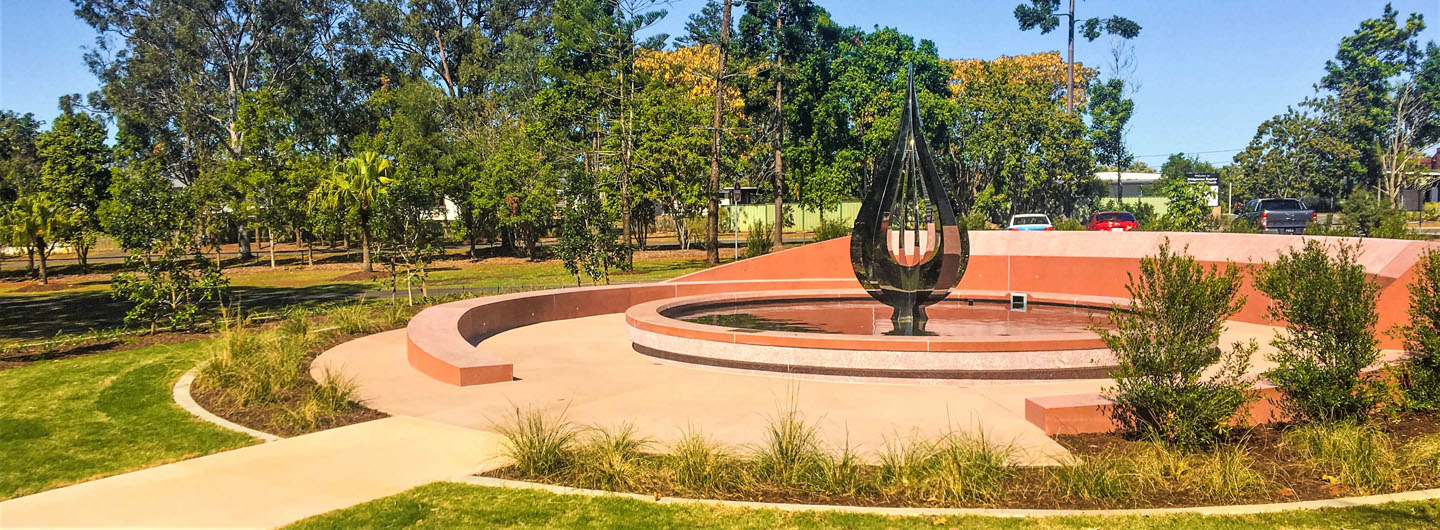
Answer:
x=77 y=419
x=451 y=505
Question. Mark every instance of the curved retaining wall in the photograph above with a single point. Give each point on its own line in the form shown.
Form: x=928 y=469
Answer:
x=446 y=341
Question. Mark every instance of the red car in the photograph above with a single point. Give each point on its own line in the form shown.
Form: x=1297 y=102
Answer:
x=1112 y=222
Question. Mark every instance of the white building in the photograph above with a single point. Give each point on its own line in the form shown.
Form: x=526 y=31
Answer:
x=1128 y=185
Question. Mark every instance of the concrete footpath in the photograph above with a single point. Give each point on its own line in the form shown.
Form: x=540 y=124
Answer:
x=267 y=485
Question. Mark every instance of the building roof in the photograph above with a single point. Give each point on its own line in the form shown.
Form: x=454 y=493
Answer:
x=1128 y=177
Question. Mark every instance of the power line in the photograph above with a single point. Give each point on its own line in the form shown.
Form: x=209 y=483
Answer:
x=1194 y=153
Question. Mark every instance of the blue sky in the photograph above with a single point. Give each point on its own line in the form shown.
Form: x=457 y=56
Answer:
x=1209 y=70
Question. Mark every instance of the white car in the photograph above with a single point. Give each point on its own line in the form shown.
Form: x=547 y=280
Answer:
x=1030 y=222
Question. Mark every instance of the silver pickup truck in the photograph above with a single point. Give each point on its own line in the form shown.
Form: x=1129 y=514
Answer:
x=1280 y=216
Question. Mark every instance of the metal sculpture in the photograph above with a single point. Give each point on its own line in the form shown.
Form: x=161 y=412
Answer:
x=906 y=248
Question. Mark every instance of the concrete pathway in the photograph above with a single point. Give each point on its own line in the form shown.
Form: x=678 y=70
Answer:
x=267 y=485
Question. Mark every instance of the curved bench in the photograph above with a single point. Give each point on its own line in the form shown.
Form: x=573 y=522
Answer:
x=445 y=342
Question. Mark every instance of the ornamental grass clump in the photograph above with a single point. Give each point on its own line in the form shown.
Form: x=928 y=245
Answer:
x=332 y=396
x=791 y=451
x=353 y=319
x=1228 y=473
x=1102 y=478
x=540 y=445
x=1329 y=307
x=699 y=464
x=1420 y=374
x=611 y=458
x=839 y=472
x=904 y=466
x=968 y=468
x=1172 y=381
x=1359 y=456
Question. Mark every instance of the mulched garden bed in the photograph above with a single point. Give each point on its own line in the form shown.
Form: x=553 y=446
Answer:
x=41 y=287
x=1288 y=477
x=263 y=417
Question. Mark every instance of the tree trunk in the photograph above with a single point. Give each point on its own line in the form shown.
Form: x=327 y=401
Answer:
x=30 y=268
x=712 y=215
x=244 y=243
x=779 y=132
x=272 y=248
x=365 y=249
x=44 y=279
x=82 y=253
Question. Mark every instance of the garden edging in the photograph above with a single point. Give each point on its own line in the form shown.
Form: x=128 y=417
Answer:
x=181 y=394
x=1238 y=509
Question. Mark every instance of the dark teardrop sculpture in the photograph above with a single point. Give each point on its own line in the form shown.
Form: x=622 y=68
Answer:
x=906 y=248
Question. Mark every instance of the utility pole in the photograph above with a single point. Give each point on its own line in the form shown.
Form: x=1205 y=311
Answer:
x=1070 y=63
x=712 y=221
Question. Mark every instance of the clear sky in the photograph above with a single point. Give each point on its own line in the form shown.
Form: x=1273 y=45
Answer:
x=1209 y=70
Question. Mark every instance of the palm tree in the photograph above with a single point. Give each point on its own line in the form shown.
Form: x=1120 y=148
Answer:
x=356 y=185
x=35 y=221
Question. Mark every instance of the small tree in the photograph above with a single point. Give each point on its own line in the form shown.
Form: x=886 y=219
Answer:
x=168 y=288
x=1172 y=382
x=1187 y=206
x=1329 y=306
x=356 y=186
x=1421 y=381
x=35 y=222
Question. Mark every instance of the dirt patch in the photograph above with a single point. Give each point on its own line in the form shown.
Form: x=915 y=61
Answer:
x=42 y=287
x=360 y=276
x=1288 y=478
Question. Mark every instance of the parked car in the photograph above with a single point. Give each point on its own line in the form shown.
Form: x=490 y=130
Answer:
x=1030 y=222
x=1278 y=216
x=1112 y=222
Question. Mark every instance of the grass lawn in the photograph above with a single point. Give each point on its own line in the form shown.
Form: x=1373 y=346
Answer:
x=72 y=420
x=452 y=505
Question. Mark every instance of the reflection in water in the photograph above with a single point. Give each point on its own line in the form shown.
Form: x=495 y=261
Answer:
x=866 y=317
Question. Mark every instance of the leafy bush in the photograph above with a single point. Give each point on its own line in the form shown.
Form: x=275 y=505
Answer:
x=1329 y=306
x=1371 y=216
x=1359 y=456
x=831 y=228
x=758 y=242
x=1188 y=210
x=1330 y=228
x=1430 y=211
x=1421 y=371
x=168 y=288
x=1241 y=226
x=1165 y=344
x=1069 y=224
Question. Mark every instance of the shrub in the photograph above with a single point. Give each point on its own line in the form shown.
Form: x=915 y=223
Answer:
x=1165 y=345
x=540 y=445
x=1421 y=373
x=831 y=228
x=1430 y=211
x=1329 y=306
x=1358 y=456
x=1068 y=224
x=1187 y=211
x=168 y=288
x=1367 y=214
x=758 y=242
x=1240 y=225
x=1228 y=474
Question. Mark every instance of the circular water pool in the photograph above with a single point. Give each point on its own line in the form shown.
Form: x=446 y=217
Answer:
x=972 y=335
